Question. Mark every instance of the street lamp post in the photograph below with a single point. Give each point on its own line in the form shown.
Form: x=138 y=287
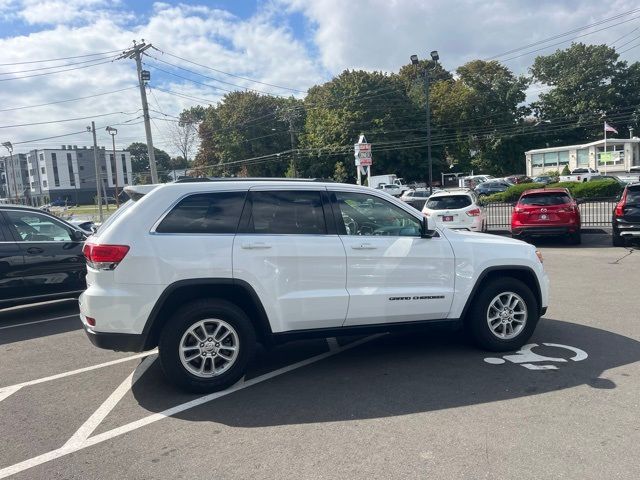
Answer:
x=414 y=60
x=9 y=147
x=113 y=132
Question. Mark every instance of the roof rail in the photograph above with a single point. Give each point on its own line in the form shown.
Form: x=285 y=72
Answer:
x=250 y=179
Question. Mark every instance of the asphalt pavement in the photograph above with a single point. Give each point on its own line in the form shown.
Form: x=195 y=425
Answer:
x=423 y=405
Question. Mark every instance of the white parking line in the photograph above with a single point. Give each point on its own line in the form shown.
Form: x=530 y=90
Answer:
x=109 y=404
x=8 y=390
x=38 y=321
x=108 y=435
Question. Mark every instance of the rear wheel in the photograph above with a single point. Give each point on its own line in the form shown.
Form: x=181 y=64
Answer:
x=503 y=315
x=575 y=238
x=618 y=240
x=206 y=346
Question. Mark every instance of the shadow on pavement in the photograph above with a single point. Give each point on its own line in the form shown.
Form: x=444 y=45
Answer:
x=398 y=375
x=25 y=323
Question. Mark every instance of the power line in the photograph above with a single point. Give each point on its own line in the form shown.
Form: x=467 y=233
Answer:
x=53 y=73
x=623 y=36
x=230 y=74
x=65 y=101
x=83 y=62
x=60 y=58
x=569 y=32
x=66 y=120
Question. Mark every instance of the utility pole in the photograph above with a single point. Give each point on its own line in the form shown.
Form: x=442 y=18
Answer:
x=113 y=132
x=9 y=147
x=293 y=151
x=92 y=129
x=136 y=52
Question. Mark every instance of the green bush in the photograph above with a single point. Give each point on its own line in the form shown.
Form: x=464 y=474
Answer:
x=579 y=190
x=512 y=193
x=594 y=189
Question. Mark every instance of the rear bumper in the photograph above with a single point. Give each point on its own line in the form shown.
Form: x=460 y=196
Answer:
x=544 y=230
x=626 y=229
x=119 y=342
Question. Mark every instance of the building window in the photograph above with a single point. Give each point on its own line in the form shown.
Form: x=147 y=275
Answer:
x=613 y=156
x=33 y=185
x=536 y=160
x=42 y=157
x=32 y=172
x=124 y=168
x=102 y=168
x=583 y=157
x=550 y=158
x=72 y=177
x=44 y=183
x=563 y=158
x=81 y=167
x=42 y=170
x=56 y=178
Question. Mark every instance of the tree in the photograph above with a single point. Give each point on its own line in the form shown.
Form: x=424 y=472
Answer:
x=588 y=82
x=340 y=173
x=478 y=117
x=249 y=130
x=140 y=163
x=356 y=102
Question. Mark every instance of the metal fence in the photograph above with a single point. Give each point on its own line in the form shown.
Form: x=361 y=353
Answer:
x=594 y=212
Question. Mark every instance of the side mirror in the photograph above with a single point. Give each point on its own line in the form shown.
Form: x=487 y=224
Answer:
x=77 y=235
x=428 y=227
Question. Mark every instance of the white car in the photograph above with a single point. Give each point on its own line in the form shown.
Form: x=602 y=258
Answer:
x=456 y=209
x=205 y=270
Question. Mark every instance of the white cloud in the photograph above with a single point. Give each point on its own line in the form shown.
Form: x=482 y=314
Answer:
x=251 y=47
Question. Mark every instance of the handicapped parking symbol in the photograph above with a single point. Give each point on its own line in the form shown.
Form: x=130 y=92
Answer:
x=528 y=359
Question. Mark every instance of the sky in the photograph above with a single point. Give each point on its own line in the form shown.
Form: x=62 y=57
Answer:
x=281 y=47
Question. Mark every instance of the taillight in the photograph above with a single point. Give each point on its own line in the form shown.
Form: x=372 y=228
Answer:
x=104 y=257
x=619 y=212
x=474 y=213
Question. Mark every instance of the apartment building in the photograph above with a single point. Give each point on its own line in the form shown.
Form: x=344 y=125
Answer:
x=68 y=174
x=13 y=178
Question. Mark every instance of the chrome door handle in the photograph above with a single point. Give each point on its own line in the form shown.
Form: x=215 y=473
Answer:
x=255 y=246
x=364 y=246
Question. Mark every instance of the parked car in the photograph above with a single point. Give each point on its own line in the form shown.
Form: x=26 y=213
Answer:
x=416 y=198
x=206 y=270
x=390 y=188
x=491 y=186
x=550 y=211
x=626 y=216
x=607 y=177
x=88 y=227
x=40 y=257
x=579 y=175
x=456 y=209
x=632 y=176
x=545 y=179
x=518 y=179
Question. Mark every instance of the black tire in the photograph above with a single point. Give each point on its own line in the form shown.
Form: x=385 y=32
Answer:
x=186 y=317
x=575 y=238
x=476 y=323
x=618 y=241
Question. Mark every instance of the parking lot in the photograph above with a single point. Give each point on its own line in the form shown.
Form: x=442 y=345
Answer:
x=385 y=406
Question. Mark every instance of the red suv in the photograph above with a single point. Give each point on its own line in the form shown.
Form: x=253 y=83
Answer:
x=550 y=211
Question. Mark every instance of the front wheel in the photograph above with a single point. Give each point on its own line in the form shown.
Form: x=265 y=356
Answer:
x=503 y=315
x=206 y=346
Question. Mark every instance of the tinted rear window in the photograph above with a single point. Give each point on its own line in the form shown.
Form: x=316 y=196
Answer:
x=544 y=199
x=287 y=212
x=633 y=196
x=205 y=213
x=450 y=202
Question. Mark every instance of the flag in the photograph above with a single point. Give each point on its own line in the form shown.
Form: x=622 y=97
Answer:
x=609 y=128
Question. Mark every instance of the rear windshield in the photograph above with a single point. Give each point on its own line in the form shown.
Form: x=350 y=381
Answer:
x=449 y=202
x=123 y=208
x=633 y=196
x=544 y=199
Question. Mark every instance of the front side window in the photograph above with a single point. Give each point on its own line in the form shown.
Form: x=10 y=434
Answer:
x=33 y=227
x=362 y=214
x=287 y=212
x=217 y=212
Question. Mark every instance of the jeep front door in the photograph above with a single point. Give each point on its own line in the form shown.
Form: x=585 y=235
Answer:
x=393 y=275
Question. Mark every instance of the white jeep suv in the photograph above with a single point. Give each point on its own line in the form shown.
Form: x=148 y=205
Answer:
x=204 y=270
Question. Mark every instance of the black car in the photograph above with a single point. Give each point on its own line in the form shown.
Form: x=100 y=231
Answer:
x=40 y=257
x=626 y=216
x=491 y=186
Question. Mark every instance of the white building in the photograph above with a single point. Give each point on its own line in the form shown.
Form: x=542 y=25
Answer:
x=68 y=173
x=621 y=154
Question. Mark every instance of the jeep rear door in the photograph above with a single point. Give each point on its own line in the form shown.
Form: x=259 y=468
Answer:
x=393 y=275
x=287 y=249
